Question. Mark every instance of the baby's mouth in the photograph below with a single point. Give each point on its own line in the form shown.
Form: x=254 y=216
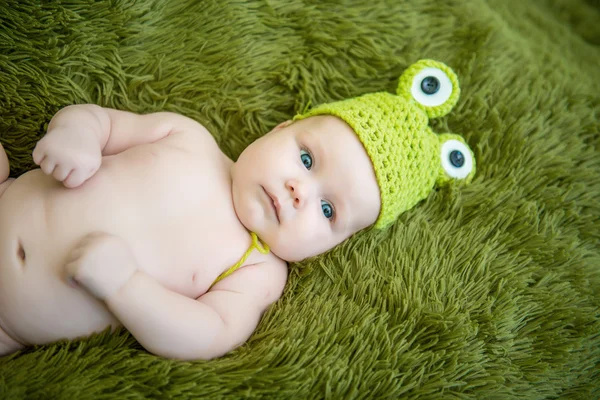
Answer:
x=274 y=204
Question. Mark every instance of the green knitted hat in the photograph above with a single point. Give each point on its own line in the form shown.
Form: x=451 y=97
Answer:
x=408 y=157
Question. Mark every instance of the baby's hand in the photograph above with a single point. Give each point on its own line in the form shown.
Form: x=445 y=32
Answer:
x=101 y=263
x=70 y=155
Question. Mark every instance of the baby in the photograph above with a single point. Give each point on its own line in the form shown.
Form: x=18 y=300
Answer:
x=141 y=220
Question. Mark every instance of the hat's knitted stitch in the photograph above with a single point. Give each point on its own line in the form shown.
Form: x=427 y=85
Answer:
x=408 y=158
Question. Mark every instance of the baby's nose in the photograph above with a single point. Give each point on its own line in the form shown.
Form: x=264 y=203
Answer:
x=299 y=190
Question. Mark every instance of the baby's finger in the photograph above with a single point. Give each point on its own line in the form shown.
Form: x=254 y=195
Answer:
x=38 y=155
x=75 y=178
x=71 y=273
x=61 y=172
x=48 y=166
x=75 y=254
x=72 y=282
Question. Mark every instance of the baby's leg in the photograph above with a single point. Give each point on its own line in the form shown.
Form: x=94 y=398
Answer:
x=4 y=171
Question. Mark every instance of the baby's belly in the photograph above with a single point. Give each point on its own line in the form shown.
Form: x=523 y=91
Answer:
x=40 y=222
x=36 y=304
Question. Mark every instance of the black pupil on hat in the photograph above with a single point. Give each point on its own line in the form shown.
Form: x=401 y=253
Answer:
x=430 y=85
x=457 y=158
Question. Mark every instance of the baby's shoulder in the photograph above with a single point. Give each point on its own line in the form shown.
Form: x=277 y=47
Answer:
x=264 y=280
x=188 y=134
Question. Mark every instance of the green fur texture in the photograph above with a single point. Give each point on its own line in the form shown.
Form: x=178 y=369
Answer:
x=490 y=291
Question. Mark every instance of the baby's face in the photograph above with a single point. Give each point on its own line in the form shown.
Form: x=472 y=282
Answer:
x=305 y=187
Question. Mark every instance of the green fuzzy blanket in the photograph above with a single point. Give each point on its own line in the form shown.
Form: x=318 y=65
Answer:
x=486 y=292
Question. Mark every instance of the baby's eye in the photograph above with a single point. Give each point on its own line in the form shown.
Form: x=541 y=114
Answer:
x=306 y=159
x=327 y=209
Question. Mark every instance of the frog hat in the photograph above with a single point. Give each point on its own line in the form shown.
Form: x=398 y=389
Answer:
x=409 y=159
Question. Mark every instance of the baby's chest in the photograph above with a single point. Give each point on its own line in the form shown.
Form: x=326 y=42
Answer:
x=183 y=227
x=189 y=258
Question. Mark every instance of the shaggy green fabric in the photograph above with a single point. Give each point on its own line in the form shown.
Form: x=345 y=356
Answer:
x=486 y=292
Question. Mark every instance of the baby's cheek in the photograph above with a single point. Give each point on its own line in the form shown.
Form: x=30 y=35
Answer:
x=308 y=239
x=304 y=230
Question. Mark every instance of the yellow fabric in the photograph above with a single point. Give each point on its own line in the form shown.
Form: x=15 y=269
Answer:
x=406 y=154
x=256 y=244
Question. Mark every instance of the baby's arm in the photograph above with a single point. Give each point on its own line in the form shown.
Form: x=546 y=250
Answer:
x=117 y=130
x=171 y=325
x=79 y=135
x=167 y=323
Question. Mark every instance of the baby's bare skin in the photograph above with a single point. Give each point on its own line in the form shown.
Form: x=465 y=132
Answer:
x=166 y=201
x=131 y=218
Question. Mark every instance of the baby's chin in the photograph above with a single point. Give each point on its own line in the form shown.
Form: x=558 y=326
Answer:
x=294 y=250
x=288 y=256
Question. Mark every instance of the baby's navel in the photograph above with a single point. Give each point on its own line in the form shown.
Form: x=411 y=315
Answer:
x=21 y=252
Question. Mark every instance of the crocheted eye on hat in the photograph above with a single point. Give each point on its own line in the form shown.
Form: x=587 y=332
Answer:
x=408 y=157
